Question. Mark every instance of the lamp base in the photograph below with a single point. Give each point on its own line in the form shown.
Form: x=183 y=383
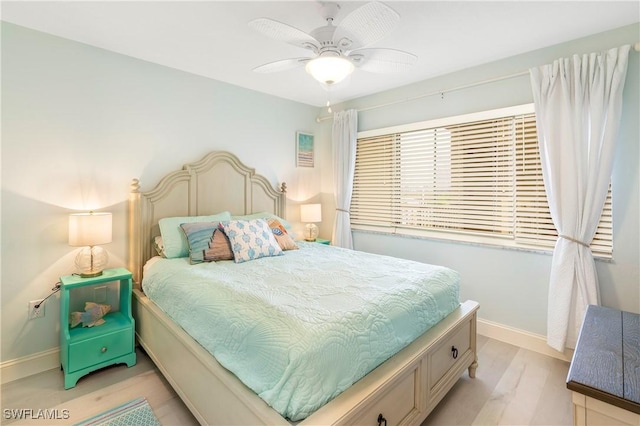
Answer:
x=90 y=274
x=90 y=261
x=310 y=232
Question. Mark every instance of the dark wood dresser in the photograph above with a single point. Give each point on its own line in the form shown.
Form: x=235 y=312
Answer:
x=605 y=370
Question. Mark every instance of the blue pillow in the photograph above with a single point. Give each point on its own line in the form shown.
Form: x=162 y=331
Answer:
x=200 y=238
x=175 y=241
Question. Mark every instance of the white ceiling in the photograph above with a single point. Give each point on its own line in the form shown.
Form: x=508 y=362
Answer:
x=212 y=39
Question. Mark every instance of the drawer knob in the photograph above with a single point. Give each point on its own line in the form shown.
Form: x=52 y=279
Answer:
x=104 y=349
x=454 y=352
x=381 y=420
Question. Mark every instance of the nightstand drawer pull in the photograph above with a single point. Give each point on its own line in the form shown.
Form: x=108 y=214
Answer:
x=104 y=349
x=454 y=352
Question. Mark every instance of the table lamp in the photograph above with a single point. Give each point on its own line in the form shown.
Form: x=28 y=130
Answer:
x=310 y=213
x=88 y=230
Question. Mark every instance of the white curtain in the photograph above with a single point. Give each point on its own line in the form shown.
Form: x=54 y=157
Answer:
x=345 y=133
x=578 y=104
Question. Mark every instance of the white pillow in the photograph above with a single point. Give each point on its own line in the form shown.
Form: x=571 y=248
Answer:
x=175 y=242
x=158 y=245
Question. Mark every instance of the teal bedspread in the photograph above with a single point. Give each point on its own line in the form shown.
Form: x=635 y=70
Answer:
x=299 y=329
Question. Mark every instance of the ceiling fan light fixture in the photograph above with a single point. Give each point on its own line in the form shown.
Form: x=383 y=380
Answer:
x=329 y=69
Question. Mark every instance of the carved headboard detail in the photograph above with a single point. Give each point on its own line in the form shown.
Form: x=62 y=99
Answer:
x=218 y=182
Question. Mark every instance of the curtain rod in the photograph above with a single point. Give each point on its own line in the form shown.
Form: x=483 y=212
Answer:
x=437 y=92
x=636 y=47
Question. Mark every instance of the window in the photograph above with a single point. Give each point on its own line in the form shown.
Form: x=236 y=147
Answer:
x=474 y=178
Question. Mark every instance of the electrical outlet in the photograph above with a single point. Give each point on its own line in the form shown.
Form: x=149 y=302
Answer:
x=36 y=312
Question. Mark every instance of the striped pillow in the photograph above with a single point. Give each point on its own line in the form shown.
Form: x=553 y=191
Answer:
x=206 y=242
x=175 y=243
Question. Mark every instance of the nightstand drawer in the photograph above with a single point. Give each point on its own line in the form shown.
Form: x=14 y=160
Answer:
x=102 y=348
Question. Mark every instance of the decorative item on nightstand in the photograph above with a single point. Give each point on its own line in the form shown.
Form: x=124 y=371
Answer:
x=88 y=230
x=309 y=214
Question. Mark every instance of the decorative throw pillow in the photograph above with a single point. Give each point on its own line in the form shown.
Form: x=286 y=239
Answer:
x=282 y=236
x=199 y=237
x=175 y=241
x=207 y=243
x=250 y=239
x=220 y=247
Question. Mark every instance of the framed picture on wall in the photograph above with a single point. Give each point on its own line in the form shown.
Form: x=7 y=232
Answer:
x=304 y=149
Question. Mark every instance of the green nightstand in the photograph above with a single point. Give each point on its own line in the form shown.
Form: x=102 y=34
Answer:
x=86 y=349
x=322 y=241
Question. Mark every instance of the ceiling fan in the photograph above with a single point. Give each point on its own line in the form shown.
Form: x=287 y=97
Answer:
x=338 y=50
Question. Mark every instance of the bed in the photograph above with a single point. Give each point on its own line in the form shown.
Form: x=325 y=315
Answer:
x=401 y=390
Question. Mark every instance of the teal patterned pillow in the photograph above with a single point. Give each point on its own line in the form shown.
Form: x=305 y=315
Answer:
x=250 y=239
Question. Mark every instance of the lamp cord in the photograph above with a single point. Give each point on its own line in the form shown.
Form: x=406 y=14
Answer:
x=55 y=289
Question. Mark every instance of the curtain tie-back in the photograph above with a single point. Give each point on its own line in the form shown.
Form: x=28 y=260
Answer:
x=342 y=210
x=574 y=240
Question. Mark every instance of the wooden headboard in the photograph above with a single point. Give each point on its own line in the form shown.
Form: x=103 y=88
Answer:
x=218 y=182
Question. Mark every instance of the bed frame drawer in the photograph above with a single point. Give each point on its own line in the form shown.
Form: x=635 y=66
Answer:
x=448 y=353
x=398 y=404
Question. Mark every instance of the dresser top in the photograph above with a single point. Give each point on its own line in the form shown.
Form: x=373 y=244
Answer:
x=606 y=362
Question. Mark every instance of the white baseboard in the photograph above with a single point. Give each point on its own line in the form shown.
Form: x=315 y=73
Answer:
x=28 y=365
x=33 y=364
x=523 y=339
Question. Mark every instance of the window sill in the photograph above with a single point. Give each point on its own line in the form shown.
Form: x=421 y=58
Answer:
x=466 y=239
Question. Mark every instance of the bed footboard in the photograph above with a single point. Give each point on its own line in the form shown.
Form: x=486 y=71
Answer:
x=404 y=389
x=212 y=393
x=408 y=386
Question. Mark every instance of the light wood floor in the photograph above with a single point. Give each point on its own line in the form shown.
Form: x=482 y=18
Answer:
x=513 y=386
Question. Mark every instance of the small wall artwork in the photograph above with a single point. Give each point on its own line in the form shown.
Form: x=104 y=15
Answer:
x=304 y=150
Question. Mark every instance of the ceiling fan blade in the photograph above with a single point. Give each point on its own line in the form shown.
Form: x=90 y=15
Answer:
x=366 y=25
x=382 y=60
x=283 y=32
x=282 y=65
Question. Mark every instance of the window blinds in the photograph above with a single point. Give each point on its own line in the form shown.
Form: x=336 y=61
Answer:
x=465 y=178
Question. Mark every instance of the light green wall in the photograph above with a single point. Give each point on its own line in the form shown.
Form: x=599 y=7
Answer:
x=78 y=123
x=510 y=285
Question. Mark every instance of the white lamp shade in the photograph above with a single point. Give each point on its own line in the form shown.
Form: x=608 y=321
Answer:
x=310 y=213
x=89 y=229
x=329 y=69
